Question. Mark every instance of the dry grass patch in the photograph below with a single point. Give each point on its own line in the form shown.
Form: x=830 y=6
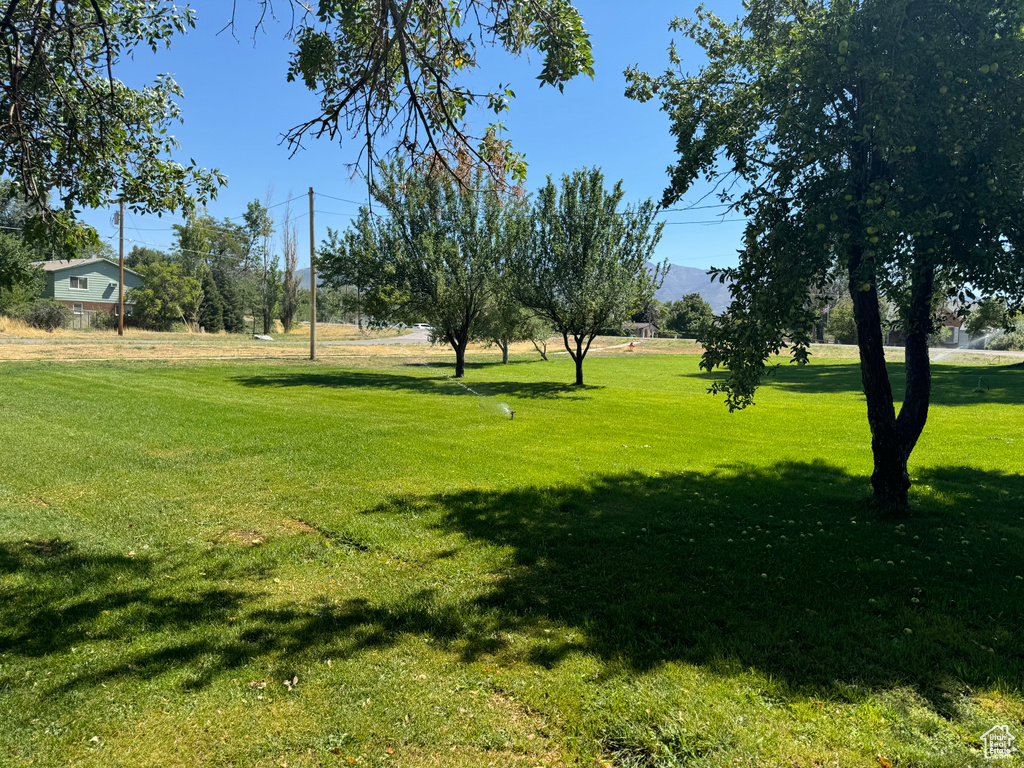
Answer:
x=470 y=757
x=245 y=538
x=295 y=526
x=18 y=328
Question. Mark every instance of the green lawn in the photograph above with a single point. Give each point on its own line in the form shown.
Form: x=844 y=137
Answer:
x=626 y=574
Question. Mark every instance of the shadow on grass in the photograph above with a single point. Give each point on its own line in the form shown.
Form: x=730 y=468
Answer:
x=951 y=384
x=776 y=570
x=432 y=385
x=773 y=569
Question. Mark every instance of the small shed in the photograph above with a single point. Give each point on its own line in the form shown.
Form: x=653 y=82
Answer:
x=641 y=330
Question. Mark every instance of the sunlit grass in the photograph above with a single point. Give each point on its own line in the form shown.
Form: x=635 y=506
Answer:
x=623 y=573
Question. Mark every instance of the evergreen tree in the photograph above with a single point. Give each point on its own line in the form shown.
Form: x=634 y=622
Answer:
x=232 y=299
x=211 y=316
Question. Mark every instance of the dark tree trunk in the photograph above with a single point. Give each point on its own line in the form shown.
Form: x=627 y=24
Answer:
x=914 y=411
x=459 y=342
x=576 y=354
x=460 y=360
x=892 y=439
x=503 y=346
x=889 y=479
x=582 y=344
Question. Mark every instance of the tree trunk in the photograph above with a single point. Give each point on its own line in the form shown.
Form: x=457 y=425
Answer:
x=460 y=360
x=574 y=354
x=889 y=479
x=459 y=343
x=503 y=346
x=542 y=351
x=914 y=411
x=582 y=347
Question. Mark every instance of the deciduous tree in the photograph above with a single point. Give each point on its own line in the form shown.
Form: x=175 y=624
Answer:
x=585 y=265
x=398 y=72
x=167 y=297
x=440 y=247
x=73 y=129
x=689 y=315
x=351 y=259
x=877 y=140
x=988 y=314
x=290 y=249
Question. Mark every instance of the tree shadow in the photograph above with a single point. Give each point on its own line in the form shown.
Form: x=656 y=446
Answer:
x=428 y=385
x=779 y=569
x=951 y=384
x=69 y=590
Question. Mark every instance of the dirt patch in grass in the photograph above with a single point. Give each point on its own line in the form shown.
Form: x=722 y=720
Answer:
x=296 y=526
x=243 y=537
x=465 y=756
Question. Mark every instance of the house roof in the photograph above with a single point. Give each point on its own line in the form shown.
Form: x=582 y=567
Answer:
x=58 y=264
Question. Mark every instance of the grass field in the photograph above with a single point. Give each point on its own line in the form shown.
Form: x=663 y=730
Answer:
x=254 y=564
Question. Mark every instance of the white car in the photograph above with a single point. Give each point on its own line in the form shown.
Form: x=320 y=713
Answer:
x=423 y=326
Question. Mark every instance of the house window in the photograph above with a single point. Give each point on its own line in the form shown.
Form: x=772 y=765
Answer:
x=79 y=308
x=80 y=283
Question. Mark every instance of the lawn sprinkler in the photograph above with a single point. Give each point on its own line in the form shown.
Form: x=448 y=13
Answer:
x=511 y=415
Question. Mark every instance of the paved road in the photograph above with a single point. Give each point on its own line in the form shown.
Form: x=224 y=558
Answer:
x=415 y=336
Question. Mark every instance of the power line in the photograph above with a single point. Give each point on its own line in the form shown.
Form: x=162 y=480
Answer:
x=336 y=213
x=283 y=202
x=695 y=208
x=340 y=199
x=711 y=222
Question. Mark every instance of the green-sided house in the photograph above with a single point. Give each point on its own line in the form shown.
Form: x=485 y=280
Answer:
x=87 y=285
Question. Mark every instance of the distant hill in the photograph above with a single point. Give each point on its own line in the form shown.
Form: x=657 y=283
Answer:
x=678 y=282
x=302 y=278
x=683 y=280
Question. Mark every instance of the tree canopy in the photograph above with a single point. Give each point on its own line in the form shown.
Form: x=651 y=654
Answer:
x=350 y=259
x=440 y=248
x=73 y=131
x=398 y=72
x=166 y=297
x=690 y=315
x=874 y=140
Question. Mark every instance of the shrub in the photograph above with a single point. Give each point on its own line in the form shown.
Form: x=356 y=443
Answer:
x=841 y=325
x=106 y=321
x=1006 y=341
x=48 y=315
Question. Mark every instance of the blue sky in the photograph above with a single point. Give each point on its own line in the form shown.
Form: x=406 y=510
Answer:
x=237 y=104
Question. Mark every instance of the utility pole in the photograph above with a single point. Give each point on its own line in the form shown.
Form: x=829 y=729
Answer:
x=312 y=282
x=120 y=281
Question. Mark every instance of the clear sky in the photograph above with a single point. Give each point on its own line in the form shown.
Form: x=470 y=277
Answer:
x=237 y=104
